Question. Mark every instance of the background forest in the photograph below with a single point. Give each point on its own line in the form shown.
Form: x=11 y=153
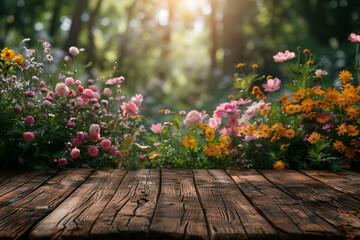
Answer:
x=181 y=54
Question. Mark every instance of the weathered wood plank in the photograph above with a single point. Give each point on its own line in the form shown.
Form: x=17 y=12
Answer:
x=336 y=208
x=178 y=214
x=286 y=214
x=335 y=181
x=4 y=174
x=20 y=189
x=129 y=214
x=229 y=214
x=76 y=215
x=17 y=218
x=350 y=175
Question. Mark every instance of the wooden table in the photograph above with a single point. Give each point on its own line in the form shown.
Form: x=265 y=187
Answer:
x=179 y=204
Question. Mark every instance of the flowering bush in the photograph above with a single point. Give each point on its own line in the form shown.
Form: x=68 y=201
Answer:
x=49 y=118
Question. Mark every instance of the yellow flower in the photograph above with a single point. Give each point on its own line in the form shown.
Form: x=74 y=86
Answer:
x=300 y=94
x=352 y=130
x=189 y=142
x=18 y=59
x=318 y=77
x=210 y=137
x=129 y=141
x=161 y=111
x=126 y=152
x=331 y=94
x=212 y=150
x=339 y=146
x=7 y=54
x=310 y=62
x=314 y=137
x=345 y=76
x=341 y=129
x=292 y=109
x=137 y=116
x=269 y=77
x=260 y=95
x=306 y=51
x=289 y=133
x=352 y=112
x=279 y=165
x=239 y=65
x=254 y=66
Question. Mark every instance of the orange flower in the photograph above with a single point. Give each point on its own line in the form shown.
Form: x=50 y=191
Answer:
x=292 y=109
x=212 y=150
x=260 y=95
x=300 y=94
x=340 y=101
x=269 y=77
x=324 y=104
x=345 y=76
x=318 y=92
x=339 y=146
x=289 y=133
x=341 y=129
x=189 y=142
x=350 y=152
x=307 y=105
x=349 y=94
x=255 y=90
x=314 y=137
x=239 y=65
x=355 y=143
x=352 y=130
x=306 y=51
x=254 y=66
x=352 y=112
x=331 y=94
x=310 y=62
x=279 y=165
x=322 y=118
x=284 y=147
x=284 y=98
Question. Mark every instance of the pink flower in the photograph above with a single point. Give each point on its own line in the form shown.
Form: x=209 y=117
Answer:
x=282 y=57
x=69 y=81
x=272 y=85
x=93 y=87
x=79 y=102
x=117 y=153
x=215 y=123
x=61 y=89
x=142 y=156
x=112 y=150
x=107 y=92
x=94 y=132
x=249 y=138
x=74 y=51
x=354 y=38
x=167 y=111
x=80 y=135
x=47 y=103
x=62 y=162
x=137 y=99
x=30 y=93
x=17 y=109
x=105 y=145
x=77 y=142
x=88 y=93
x=29 y=120
x=77 y=82
x=241 y=101
x=157 y=128
x=193 y=118
x=93 y=151
x=75 y=153
x=71 y=124
x=182 y=112
x=233 y=122
x=129 y=108
x=28 y=136
x=30 y=105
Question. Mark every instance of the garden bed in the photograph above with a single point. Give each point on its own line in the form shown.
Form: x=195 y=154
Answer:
x=179 y=204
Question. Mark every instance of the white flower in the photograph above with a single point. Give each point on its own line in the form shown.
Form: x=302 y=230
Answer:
x=321 y=72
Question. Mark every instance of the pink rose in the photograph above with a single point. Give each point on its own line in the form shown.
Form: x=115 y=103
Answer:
x=61 y=89
x=69 y=81
x=29 y=120
x=112 y=150
x=30 y=105
x=129 y=108
x=30 y=93
x=17 y=109
x=28 y=136
x=93 y=151
x=77 y=142
x=74 y=51
x=71 y=124
x=107 y=92
x=75 y=153
x=193 y=118
x=88 y=93
x=93 y=87
x=79 y=102
x=282 y=57
x=62 y=162
x=94 y=132
x=77 y=82
x=105 y=145
x=117 y=153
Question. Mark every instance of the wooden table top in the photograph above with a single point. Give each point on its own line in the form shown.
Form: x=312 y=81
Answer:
x=179 y=204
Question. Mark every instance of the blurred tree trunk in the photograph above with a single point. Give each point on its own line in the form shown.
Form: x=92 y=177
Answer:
x=54 y=25
x=213 y=37
x=91 y=56
x=76 y=23
x=233 y=39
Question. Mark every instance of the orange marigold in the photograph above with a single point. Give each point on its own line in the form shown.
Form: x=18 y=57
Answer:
x=279 y=165
x=352 y=112
x=314 y=137
x=331 y=94
x=339 y=146
x=352 y=130
x=345 y=76
x=307 y=105
x=300 y=94
x=350 y=152
x=341 y=129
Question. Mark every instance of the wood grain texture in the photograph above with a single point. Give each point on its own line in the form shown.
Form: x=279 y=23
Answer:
x=286 y=214
x=178 y=214
x=350 y=175
x=24 y=188
x=74 y=218
x=338 y=209
x=128 y=215
x=229 y=214
x=335 y=181
x=17 y=218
